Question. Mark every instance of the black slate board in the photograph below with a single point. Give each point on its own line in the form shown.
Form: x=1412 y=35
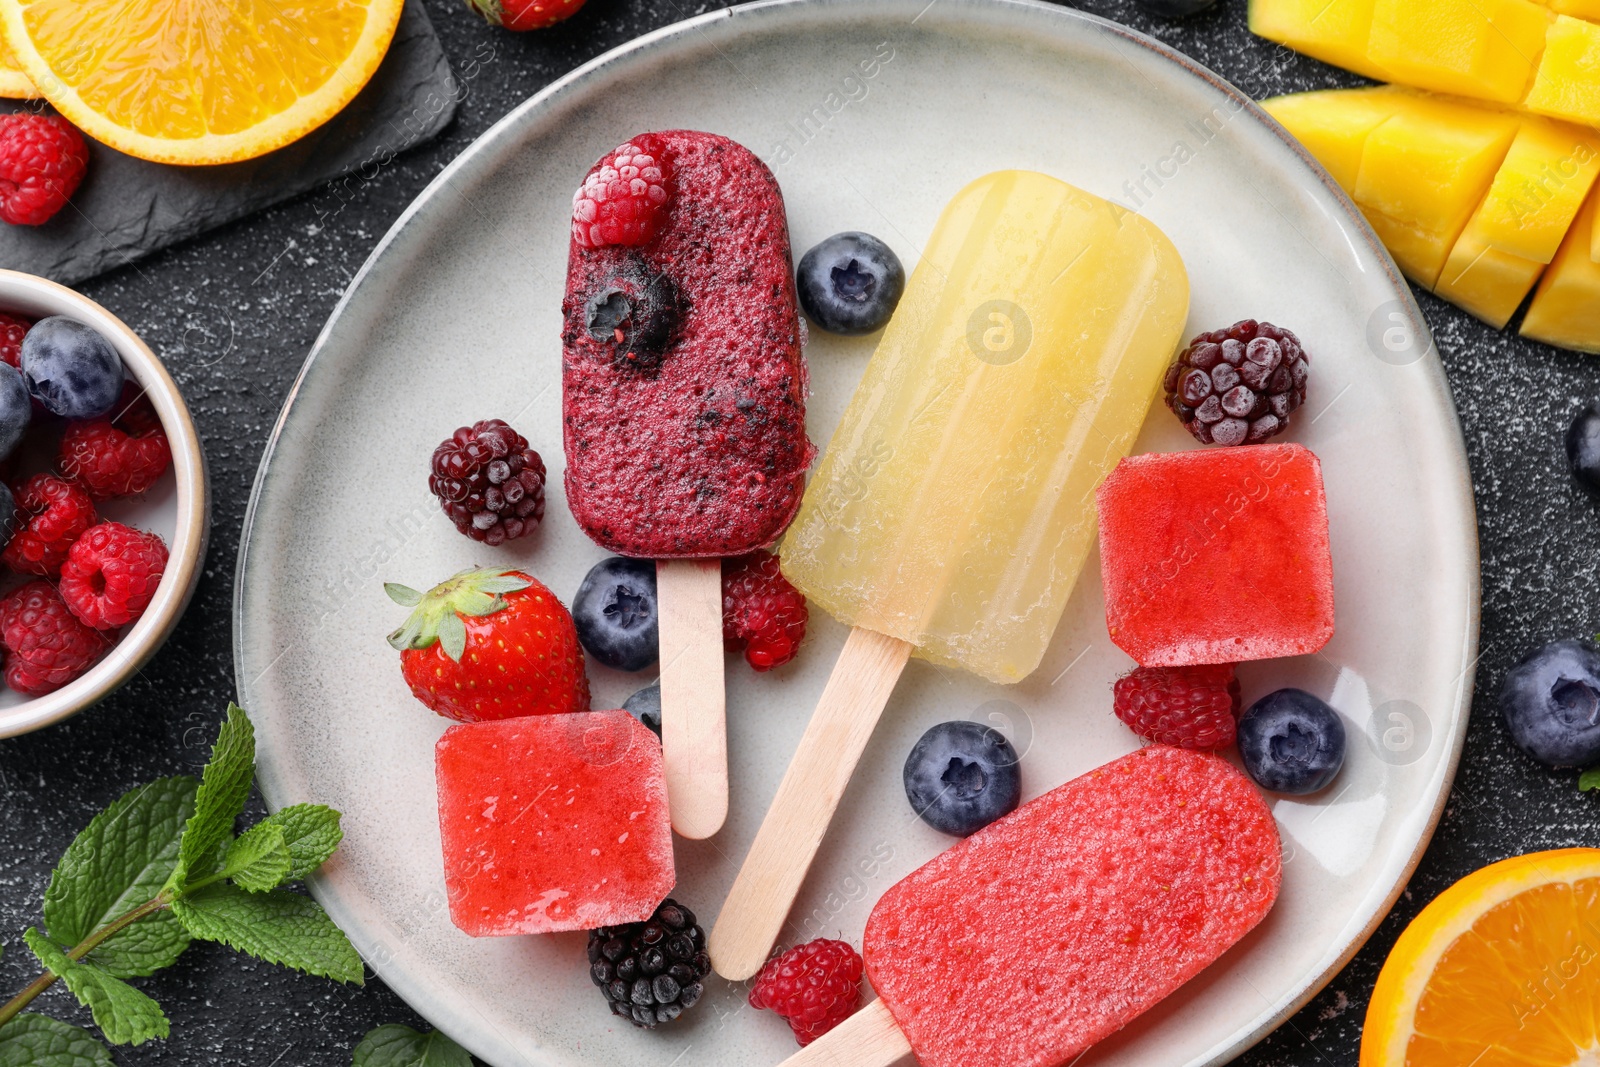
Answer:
x=128 y=208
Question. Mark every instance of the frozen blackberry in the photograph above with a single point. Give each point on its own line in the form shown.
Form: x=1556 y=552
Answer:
x=1240 y=385
x=489 y=482
x=654 y=971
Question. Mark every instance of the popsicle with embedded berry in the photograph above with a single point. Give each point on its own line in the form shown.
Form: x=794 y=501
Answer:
x=953 y=509
x=684 y=404
x=552 y=822
x=1056 y=926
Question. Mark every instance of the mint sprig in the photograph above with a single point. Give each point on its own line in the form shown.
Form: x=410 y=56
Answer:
x=393 y=1045
x=162 y=866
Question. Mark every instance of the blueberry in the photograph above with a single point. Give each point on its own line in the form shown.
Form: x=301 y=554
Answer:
x=71 y=369
x=850 y=283
x=615 y=612
x=961 y=776
x=645 y=705
x=1176 y=9
x=9 y=518
x=1583 y=446
x=16 y=408
x=1291 y=742
x=1550 y=701
x=636 y=314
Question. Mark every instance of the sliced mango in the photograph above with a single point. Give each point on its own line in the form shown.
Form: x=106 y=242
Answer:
x=1578 y=9
x=1423 y=173
x=1334 y=124
x=1566 y=309
x=1539 y=189
x=1483 y=280
x=1567 y=85
x=1334 y=31
x=1487 y=49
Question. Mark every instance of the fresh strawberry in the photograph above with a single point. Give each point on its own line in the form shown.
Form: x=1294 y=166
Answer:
x=525 y=14
x=490 y=644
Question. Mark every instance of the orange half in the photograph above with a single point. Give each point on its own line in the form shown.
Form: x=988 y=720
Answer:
x=14 y=83
x=1501 y=970
x=199 y=81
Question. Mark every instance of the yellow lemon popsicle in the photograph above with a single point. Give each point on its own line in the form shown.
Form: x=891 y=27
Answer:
x=955 y=505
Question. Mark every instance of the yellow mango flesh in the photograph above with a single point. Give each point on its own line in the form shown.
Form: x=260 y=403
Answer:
x=1487 y=49
x=1334 y=124
x=1423 y=173
x=1539 y=189
x=1578 y=9
x=1334 y=31
x=1566 y=310
x=1485 y=281
x=1567 y=85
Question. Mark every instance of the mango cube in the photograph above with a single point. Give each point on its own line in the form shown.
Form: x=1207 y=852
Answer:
x=1486 y=49
x=1578 y=9
x=1423 y=173
x=1539 y=189
x=1485 y=281
x=1567 y=85
x=1334 y=31
x=1566 y=310
x=1334 y=124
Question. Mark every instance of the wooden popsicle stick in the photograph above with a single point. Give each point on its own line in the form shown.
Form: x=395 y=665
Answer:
x=694 y=723
x=753 y=915
x=869 y=1038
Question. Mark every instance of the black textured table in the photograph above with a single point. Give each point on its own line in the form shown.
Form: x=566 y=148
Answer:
x=234 y=312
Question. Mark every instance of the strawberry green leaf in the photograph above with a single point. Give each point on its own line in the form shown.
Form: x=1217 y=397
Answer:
x=403 y=595
x=125 y=1015
x=453 y=636
x=280 y=927
x=311 y=832
x=224 y=788
x=400 y=1046
x=258 y=860
x=40 y=1041
x=118 y=862
x=436 y=619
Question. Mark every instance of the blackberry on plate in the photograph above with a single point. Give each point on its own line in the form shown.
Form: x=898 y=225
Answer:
x=1240 y=385
x=489 y=482
x=654 y=971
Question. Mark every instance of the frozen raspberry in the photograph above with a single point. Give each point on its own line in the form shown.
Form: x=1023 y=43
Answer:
x=111 y=573
x=815 y=986
x=489 y=482
x=1239 y=385
x=1190 y=707
x=53 y=513
x=48 y=645
x=42 y=160
x=624 y=199
x=121 y=454
x=762 y=614
x=13 y=328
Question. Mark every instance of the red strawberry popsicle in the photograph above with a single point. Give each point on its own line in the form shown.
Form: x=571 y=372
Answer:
x=683 y=404
x=1056 y=926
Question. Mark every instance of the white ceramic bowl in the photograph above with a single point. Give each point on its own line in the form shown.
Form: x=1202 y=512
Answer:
x=176 y=508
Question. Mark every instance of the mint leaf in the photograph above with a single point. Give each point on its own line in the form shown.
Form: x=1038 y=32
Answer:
x=224 y=788
x=1589 y=779
x=311 y=832
x=40 y=1041
x=279 y=927
x=125 y=1015
x=400 y=1046
x=259 y=859
x=118 y=862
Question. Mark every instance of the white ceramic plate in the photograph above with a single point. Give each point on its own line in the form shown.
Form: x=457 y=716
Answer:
x=871 y=115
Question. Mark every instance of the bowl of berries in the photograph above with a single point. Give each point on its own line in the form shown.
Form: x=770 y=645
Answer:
x=103 y=503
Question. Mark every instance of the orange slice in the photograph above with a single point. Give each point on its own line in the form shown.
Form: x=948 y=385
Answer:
x=14 y=83
x=1501 y=970
x=199 y=81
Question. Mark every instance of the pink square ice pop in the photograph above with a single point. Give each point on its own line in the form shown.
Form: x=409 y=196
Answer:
x=553 y=822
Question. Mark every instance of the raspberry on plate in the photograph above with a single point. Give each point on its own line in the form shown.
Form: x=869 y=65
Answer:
x=815 y=986
x=13 y=328
x=120 y=454
x=623 y=200
x=489 y=482
x=1189 y=707
x=111 y=574
x=522 y=15
x=42 y=160
x=53 y=513
x=1239 y=385
x=48 y=645
x=762 y=614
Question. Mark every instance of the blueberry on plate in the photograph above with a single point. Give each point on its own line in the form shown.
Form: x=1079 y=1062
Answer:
x=1291 y=742
x=645 y=705
x=1176 y=9
x=16 y=408
x=71 y=369
x=1583 y=446
x=615 y=613
x=961 y=776
x=1550 y=701
x=850 y=283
